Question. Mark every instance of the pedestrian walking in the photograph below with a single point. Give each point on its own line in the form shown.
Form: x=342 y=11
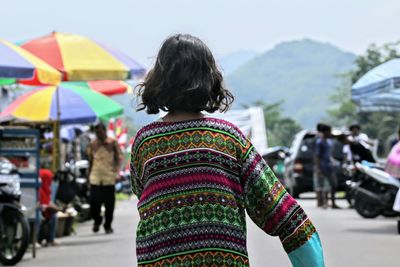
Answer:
x=104 y=161
x=195 y=176
x=324 y=177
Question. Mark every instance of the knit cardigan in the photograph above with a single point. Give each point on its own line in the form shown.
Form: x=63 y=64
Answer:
x=195 y=181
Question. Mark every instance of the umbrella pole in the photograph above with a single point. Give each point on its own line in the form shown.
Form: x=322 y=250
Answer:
x=56 y=132
x=56 y=146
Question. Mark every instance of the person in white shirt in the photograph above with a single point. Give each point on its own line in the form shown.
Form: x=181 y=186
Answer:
x=359 y=137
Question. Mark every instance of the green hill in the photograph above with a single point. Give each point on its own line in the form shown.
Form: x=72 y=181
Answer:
x=233 y=61
x=302 y=73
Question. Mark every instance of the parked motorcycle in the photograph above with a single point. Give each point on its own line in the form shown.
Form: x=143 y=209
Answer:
x=123 y=183
x=375 y=194
x=14 y=226
x=79 y=170
x=354 y=177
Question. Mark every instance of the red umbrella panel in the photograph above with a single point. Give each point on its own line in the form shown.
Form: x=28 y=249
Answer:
x=81 y=59
x=105 y=87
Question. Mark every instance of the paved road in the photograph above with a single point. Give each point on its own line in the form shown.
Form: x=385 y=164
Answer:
x=348 y=240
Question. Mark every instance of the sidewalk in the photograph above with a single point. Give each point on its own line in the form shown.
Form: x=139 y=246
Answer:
x=86 y=249
x=348 y=240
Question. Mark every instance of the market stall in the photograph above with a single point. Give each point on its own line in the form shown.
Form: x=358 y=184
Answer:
x=21 y=146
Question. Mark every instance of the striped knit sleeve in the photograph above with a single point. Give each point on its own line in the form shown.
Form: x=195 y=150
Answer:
x=277 y=213
x=136 y=184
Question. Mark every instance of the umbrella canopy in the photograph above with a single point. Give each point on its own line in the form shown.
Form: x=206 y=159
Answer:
x=7 y=81
x=387 y=102
x=82 y=59
x=106 y=87
x=379 y=89
x=75 y=104
x=16 y=63
x=380 y=79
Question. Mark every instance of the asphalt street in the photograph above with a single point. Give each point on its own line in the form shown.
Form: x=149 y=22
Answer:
x=348 y=240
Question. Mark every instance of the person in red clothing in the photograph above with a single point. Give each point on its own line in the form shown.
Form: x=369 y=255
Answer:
x=49 y=209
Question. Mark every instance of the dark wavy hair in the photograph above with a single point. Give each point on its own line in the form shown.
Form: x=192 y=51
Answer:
x=185 y=78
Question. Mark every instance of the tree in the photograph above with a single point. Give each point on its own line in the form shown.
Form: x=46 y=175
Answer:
x=373 y=57
x=280 y=129
x=380 y=125
x=344 y=111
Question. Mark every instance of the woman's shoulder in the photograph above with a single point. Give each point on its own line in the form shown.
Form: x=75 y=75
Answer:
x=211 y=123
x=205 y=122
x=228 y=127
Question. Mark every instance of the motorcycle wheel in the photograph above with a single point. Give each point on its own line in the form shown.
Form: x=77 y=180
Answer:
x=366 y=209
x=14 y=236
x=390 y=213
x=350 y=198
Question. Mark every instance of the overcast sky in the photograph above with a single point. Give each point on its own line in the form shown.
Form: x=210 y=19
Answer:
x=139 y=27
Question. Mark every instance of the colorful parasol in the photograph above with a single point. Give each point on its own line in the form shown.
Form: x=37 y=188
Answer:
x=381 y=79
x=379 y=88
x=106 y=87
x=7 y=81
x=16 y=63
x=66 y=105
x=82 y=59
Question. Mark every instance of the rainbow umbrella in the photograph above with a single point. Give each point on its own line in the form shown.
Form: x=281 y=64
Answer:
x=82 y=59
x=16 y=63
x=106 y=87
x=7 y=81
x=66 y=105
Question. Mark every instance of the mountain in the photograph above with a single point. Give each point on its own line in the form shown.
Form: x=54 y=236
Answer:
x=233 y=61
x=304 y=74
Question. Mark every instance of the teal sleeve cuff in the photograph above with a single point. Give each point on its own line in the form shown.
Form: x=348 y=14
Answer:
x=309 y=254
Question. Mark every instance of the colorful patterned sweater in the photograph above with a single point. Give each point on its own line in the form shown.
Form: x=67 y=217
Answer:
x=194 y=180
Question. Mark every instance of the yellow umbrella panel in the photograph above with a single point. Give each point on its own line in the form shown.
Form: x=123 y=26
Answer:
x=82 y=59
x=17 y=63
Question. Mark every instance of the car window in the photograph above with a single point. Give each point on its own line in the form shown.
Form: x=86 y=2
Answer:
x=306 y=149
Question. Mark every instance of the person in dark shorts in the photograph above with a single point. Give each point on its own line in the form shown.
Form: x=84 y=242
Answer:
x=324 y=177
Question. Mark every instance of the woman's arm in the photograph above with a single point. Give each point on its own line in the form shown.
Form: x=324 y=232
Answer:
x=277 y=213
x=136 y=184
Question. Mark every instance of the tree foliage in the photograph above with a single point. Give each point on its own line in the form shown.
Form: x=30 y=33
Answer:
x=280 y=129
x=344 y=111
x=374 y=56
x=380 y=125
